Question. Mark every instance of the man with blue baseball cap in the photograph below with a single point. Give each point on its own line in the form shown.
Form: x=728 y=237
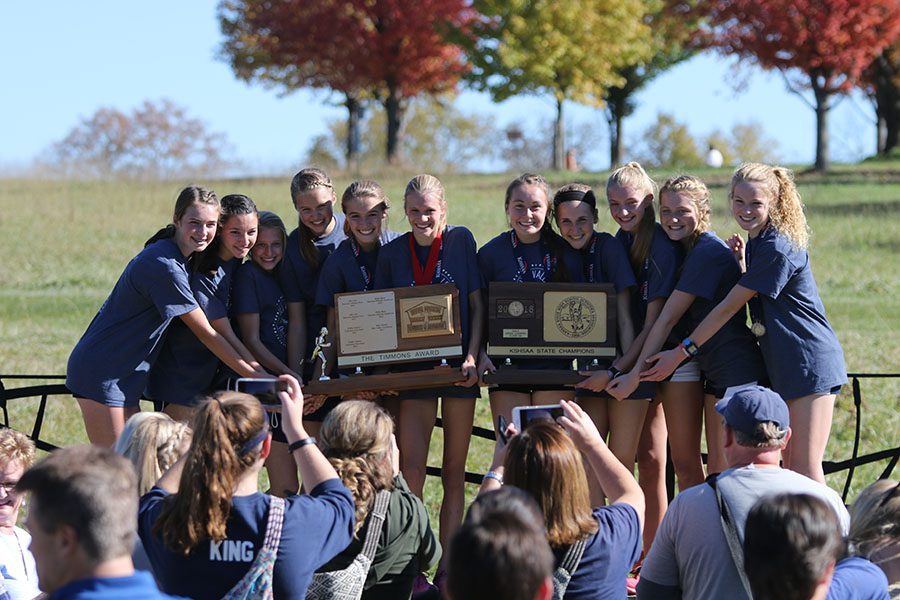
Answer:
x=690 y=556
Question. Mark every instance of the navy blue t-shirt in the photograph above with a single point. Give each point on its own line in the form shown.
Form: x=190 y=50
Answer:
x=343 y=272
x=316 y=527
x=657 y=276
x=139 y=586
x=300 y=281
x=605 y=261
x=258 y=291
x=731 y=356
x=497 y=261
x=608 y=555
x=111 y=361
x=457 y=265
x=186 y=368
x=801 y=351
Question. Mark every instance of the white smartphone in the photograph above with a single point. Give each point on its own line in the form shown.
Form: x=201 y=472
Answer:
x=525 y=415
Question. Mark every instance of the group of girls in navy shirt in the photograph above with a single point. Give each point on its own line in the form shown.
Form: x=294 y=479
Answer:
x=682 y=320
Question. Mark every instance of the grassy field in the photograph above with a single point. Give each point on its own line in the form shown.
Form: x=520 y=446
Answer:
x=65 y=244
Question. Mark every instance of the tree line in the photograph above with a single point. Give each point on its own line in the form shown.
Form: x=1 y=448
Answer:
x=597 y=52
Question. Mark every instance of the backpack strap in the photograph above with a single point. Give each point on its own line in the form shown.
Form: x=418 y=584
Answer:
x=275 y=521
x=376 y=523
x=573 y=556
x=731 y=536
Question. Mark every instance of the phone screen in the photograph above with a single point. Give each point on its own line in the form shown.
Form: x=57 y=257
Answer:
x=265 y=389
x=525 y=415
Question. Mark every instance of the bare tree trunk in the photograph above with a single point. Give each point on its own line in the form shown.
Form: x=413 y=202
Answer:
x=887 y=103
x=395 y=107
x=822 y=107
x=355 y=112
x=559 y=139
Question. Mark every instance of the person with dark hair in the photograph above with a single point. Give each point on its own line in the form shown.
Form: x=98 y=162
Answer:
x=791 y=546
x=501 y=552
x=548 y=462
x=108 y=368
x=692 y=556
x=81 y=518
x=185 y=370
x=530 y=251
x=208 y=530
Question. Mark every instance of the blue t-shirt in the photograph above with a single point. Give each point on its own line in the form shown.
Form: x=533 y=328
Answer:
x=256 y=291
x=139 y=586
x=801 y=351
x=657 y=276
x=731 y=356
x=498 y=261
x=608 y=555
x=111 y=361
x=316 y=527
x=186 y=368
x=605 y=261
x=299 y=280
x=457 y=265
x=856 y=578
x=345 y=272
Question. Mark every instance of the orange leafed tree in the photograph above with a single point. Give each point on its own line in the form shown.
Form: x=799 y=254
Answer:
x=819 y=45
x=389 y=50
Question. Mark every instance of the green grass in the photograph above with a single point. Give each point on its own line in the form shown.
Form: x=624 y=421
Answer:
x=64 y=244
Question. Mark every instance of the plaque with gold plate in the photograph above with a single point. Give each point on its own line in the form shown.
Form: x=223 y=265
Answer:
x=549 y=320
x=381 y=328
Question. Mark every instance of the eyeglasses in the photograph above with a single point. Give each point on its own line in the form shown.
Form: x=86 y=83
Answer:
x=9 y=486
x=890 y=494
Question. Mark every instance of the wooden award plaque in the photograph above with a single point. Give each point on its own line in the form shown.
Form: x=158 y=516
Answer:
x=550 y=320
x=391 y=326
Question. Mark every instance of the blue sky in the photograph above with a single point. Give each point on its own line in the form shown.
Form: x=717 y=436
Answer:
x=63 y=60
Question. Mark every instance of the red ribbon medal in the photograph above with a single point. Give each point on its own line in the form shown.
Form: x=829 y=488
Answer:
x=425 y=276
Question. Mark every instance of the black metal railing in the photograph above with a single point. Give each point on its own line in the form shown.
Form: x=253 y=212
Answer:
x=890 y=454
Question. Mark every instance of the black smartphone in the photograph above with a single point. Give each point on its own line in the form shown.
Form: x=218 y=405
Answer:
x=501 y=429
x=265 y=389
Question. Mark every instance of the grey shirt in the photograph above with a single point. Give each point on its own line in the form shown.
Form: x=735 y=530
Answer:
x=690 y=557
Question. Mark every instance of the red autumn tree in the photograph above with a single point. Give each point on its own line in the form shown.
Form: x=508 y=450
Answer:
x=389 y=50
x=819 y=45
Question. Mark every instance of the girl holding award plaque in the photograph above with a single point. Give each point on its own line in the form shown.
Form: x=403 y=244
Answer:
x=436 y=253
x=803 y=357
x=351 y=267
x=530 y=251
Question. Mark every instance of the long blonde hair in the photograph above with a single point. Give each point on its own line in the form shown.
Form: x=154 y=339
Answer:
x=698 y=193
x=151 y=441
x=229 y=429
x=356 y=439
x=786 y=213
x=634 y=175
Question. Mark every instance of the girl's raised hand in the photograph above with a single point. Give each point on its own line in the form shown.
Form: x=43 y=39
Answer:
x=736 y=244
x=292 y=409
x=578 y=425
x=596 y=380
x=662 y=364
